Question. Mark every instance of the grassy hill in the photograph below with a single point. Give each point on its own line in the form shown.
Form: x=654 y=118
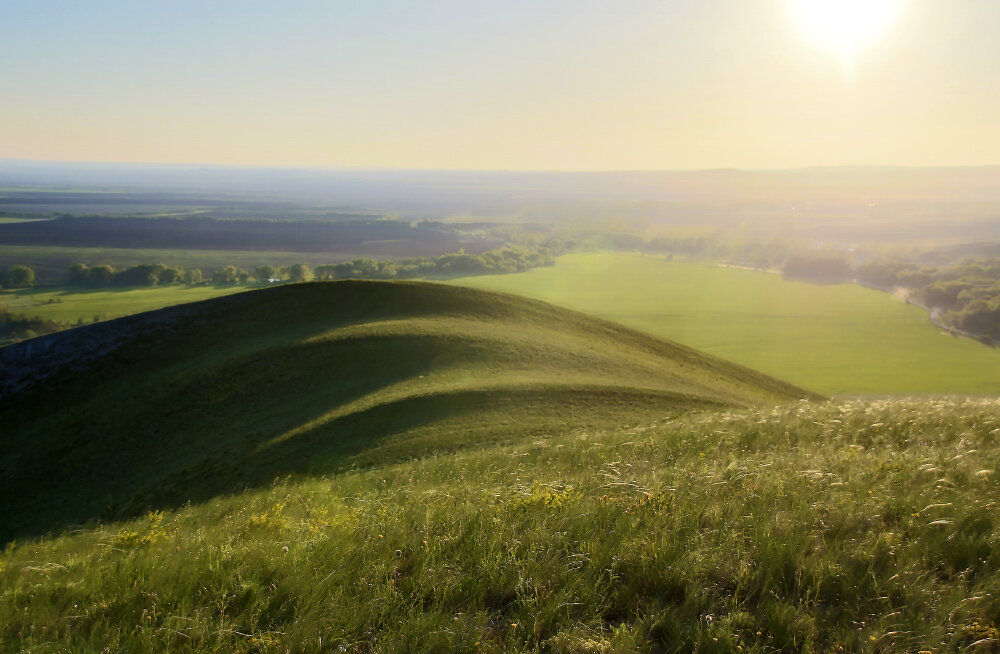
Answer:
x=407 y=467
x=835 y=339
x=213 y=397
x=814 y=527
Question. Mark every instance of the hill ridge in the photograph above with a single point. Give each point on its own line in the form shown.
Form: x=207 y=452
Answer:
x=188 y=403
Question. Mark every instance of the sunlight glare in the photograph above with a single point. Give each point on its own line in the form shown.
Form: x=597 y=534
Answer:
x=845 y=26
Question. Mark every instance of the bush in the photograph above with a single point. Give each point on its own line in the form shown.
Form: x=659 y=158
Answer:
x=19 y=277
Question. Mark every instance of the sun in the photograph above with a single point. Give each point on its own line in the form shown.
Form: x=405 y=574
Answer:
x=845 y=26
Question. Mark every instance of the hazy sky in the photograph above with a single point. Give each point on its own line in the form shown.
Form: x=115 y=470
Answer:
x=512 y=84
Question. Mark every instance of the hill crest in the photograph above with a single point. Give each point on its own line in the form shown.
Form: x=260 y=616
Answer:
x=186 y=403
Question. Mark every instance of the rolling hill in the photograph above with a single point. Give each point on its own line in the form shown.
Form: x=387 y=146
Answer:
x=407 y=467
x=187 y=403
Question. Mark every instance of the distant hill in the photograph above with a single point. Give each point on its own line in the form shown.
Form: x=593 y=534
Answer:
x=194 y=401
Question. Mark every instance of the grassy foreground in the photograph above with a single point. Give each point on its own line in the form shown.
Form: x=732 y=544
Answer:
x=811 y=528
x=841 y=339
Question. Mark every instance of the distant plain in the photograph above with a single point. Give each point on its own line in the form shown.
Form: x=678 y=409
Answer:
x=834 y=339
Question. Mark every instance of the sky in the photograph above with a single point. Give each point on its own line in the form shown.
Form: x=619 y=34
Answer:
x=511 y=85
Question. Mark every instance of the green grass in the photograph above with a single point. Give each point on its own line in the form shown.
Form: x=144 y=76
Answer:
x=69 y=305
x=838 y=339
x=321 y=377
x=408 y=467
x=861 y=527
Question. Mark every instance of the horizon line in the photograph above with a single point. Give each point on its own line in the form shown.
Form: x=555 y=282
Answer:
x=313 y=168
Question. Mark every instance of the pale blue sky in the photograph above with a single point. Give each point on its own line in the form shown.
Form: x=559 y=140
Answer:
x=492 y=85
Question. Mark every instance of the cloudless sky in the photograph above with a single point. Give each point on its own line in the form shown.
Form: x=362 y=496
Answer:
x=517 y=84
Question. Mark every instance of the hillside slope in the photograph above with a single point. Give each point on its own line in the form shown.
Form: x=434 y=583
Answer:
x=812 y=527
x=187 y=403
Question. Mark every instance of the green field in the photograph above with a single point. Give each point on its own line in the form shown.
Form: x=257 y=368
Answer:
x=836 y=339
x=71 y=305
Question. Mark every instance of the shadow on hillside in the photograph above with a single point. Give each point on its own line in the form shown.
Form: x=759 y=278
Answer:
x=129 y=445
x=400 y=430
x=217 y=397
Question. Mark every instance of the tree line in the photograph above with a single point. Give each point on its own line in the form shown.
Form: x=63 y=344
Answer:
x=146 y=274
x=966 y=295
x=502 y=260
x=159 y=274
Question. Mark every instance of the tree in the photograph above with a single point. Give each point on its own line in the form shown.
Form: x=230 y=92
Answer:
x=79 y=274
x=171 y=275
x=461 y=263
x=192 y=276
x=386 y=270
x=299 y=272
x=101 y=275
x=20 y=276
x=145 y=274
x=264 y=273
x=227 y=275
x=326 y=272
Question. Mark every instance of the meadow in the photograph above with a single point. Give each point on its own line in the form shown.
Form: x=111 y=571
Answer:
x=399 y=466
x=832 y=339
x=811 y=527
x=71 y=305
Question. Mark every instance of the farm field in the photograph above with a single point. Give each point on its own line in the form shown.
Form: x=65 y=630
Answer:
x=322 y=238
x=836 y=339
x=70 y=305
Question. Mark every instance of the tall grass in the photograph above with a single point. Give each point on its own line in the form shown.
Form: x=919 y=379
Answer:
x=812 y=528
